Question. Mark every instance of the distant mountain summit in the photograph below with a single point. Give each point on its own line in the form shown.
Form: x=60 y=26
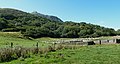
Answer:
x=11 y=14
x=52 y=18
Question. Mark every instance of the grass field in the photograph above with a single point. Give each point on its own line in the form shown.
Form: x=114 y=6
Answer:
x=97 y=54
x=15 y=37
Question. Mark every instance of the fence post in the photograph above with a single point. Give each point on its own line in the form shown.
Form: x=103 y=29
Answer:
x=114 y=40
x=100 y=42
x=37 y=47
x=11 y=45
x=54 y=45
x=108 y=41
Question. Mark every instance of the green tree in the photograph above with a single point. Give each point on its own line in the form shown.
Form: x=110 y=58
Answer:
x=3 y=23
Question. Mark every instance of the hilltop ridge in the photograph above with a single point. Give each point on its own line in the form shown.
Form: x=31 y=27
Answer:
x=52 y=18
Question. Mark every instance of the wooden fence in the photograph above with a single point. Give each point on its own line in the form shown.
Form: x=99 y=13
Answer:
x=89 y=41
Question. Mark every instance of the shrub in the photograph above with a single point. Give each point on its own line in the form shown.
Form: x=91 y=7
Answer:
x=19 y=52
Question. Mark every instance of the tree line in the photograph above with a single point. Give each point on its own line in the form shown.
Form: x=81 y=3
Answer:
x=30 y=25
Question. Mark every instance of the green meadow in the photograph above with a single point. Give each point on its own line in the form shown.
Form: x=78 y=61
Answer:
x=6 y=38
x=94 y=54
x=98 y=54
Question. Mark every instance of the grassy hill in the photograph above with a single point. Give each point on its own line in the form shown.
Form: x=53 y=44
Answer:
x=36 y=26
x=6 y=38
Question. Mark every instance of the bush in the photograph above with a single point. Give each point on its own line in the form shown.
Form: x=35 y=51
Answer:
x=8 y=54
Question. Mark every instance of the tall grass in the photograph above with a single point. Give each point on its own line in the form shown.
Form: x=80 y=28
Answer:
x=8 y=54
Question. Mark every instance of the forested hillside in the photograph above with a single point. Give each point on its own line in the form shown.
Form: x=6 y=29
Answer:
x=52 y=18
x=33 y=25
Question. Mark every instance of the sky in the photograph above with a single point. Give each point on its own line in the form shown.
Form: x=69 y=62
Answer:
x=101 y=12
